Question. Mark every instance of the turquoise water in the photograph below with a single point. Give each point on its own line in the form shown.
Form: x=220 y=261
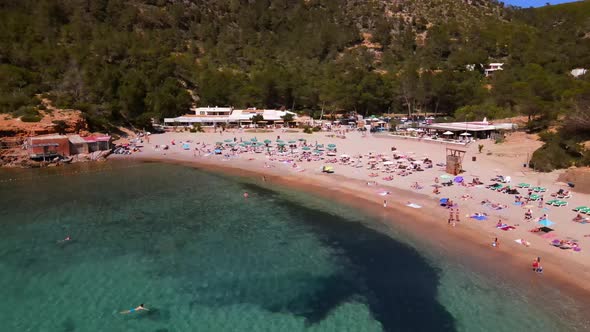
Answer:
x=187 y=244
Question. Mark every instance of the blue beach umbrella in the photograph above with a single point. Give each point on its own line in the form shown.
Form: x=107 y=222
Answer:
x=254 y=139
x=331 y=145
x=306 y=148
x=228 y=140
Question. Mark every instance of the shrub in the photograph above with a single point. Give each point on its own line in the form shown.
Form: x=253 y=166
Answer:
x=28 y=114
x=30 y=118
x=60 y=126
x=307 y=130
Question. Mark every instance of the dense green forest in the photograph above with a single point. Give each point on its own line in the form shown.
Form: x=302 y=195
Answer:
x=124 y=62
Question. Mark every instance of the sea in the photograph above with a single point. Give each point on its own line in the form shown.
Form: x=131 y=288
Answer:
x=186 y=244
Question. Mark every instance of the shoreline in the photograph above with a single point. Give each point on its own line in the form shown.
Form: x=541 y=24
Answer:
x=461 y=243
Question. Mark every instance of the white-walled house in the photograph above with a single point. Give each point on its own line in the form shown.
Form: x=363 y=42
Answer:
x=578 y=72
x=493 y=67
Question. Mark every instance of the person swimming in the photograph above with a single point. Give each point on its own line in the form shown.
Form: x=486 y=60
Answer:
x=67 y=239
x=136 y=309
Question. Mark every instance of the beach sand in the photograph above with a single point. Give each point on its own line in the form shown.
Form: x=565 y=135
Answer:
x=565 y=270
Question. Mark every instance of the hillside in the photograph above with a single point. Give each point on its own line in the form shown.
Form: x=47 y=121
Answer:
x=124 y=62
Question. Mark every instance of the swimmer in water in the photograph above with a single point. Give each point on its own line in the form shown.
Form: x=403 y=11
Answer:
x=67 y=239
x=246 y=195
x=136 y=309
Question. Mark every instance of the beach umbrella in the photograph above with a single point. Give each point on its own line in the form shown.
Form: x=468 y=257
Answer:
x=218 y=143
x=232 y=144
x=344 y=156
x=465 y=134
x=292 y=142
x=228 y=140
x=280 y=141
x=458 y=179
x=267 y=141
x=254 y=139
x=306 y=148
x=331 y=148
x=445 y=176
x=248 y=143
x=331 y=145
x=302 y=139
x=410 y=129
x=447 y=133
x=317 y=151
x=546 y=223
x=388 y=163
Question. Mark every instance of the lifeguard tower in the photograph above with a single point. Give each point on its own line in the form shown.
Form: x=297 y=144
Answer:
x=455 y=161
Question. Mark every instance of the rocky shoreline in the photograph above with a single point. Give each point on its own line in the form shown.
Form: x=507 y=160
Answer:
x=10 y=159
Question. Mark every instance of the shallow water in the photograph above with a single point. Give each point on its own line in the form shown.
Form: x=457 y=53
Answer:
x=188 y=245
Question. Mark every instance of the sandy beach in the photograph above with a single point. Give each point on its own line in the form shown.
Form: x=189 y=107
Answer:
x=566 y=268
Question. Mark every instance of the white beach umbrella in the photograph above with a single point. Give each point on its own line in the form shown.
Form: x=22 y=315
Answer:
x=388 y=163
x=465 y=134
x=344 y=156
x=410 y=129
x=447 y=133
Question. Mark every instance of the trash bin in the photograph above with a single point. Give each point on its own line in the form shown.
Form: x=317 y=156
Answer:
x=474 y=158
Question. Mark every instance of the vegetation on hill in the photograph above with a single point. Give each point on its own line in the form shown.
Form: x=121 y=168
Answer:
x=124 y=62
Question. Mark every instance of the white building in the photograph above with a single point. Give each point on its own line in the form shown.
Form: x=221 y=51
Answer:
x=211 y=116
x=578 y=72
x=493 y=67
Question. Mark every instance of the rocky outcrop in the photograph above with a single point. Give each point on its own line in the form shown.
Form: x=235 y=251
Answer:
x=94 y=156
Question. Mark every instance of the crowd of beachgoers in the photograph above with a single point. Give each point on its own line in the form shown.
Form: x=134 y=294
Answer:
x=512 y=202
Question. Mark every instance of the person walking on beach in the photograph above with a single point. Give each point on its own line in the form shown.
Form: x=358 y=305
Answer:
x=451 y=220
x=457 y=215
x=384 y=203
x=495 y=244
x=136 y=309
x=541 y=202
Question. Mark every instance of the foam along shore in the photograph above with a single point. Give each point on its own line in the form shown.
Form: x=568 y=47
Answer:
x=367 y=173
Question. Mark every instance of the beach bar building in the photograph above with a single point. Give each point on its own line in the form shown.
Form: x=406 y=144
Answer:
x=482 y=129
x=214 y=116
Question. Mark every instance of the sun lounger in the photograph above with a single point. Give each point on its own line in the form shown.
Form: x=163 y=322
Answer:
x=539 y=189
x=551 y=202
x=535 y=197
x=524 y=185
x=580 y=208
x=584 y=210
x=560 y=203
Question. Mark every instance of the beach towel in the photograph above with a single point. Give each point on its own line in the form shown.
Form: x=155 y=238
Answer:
x=523 y=242
x=413 y=205
x=479 y=217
